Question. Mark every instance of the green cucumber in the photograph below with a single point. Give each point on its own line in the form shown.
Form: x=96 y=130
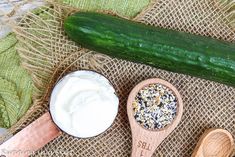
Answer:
x=171 y=50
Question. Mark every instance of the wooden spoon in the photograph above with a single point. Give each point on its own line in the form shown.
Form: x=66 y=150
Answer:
x=144 y=141
x=214 y=143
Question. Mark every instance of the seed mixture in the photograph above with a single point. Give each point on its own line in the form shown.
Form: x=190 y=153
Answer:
x=155 y=106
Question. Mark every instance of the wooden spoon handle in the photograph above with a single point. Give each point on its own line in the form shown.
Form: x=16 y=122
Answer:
x=31 y=138
x=142 y=148
x=144 y=145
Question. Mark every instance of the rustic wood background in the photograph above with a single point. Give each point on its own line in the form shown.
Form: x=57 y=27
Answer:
x=11 y=10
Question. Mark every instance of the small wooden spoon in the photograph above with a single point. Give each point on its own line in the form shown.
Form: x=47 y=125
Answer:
x=214 y=143
x=144 y=141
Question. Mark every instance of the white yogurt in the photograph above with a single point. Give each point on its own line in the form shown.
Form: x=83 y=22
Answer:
x=84 y=104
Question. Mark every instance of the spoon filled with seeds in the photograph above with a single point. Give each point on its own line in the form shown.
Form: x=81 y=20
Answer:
x=154 y=109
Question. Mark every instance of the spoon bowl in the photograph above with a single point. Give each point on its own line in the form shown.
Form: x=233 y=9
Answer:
x=145 y=141
x=214 y=143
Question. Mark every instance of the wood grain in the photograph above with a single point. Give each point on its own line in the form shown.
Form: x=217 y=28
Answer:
x=214 y=143
x=12 y=10
x=144 y=142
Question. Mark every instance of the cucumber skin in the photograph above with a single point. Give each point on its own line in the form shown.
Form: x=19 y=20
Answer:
x=171 y=50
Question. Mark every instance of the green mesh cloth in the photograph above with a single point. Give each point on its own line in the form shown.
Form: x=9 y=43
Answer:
x=128 y=8
x=15 y=84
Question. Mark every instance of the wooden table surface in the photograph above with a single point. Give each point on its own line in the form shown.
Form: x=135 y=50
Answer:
x=20 y=7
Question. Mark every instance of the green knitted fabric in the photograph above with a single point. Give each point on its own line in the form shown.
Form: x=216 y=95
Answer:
x=128 y=8
x=10 y=103
x=15 y=84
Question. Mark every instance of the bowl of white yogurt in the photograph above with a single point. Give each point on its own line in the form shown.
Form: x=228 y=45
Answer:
x=84 y=104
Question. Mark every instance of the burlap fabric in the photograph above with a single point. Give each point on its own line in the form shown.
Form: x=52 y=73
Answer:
x=48 y=54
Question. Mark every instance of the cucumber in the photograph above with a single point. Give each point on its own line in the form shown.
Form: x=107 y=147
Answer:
x=171 y=50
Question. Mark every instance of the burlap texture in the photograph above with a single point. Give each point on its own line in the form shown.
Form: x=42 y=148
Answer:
x=48 y=54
